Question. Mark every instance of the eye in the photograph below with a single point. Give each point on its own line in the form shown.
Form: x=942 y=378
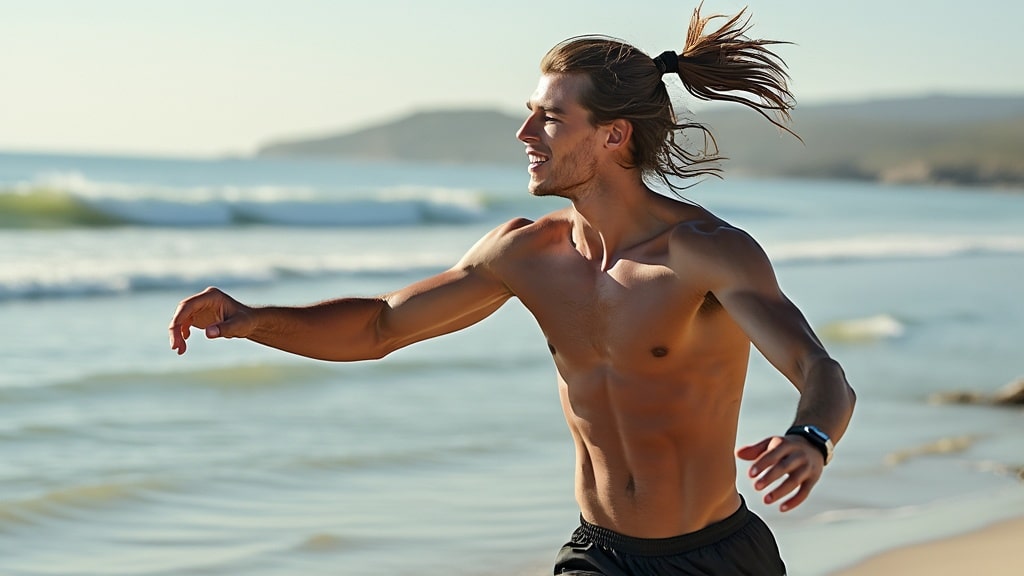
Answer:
x=549 y=119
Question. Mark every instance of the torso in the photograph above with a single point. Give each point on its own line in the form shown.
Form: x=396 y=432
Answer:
x=650 y=374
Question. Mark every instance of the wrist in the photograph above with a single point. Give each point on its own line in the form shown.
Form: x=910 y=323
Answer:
x=815 y=437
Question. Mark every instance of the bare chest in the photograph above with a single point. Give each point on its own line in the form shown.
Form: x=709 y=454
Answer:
x=635 y=310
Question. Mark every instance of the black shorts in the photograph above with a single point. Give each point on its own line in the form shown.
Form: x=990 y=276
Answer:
x=741 y=544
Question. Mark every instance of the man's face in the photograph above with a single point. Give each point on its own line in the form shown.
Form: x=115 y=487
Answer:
x=560 y=140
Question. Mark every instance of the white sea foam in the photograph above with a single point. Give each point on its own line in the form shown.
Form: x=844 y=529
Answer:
x=893 y=247
x=91 y=276
x=868 y=329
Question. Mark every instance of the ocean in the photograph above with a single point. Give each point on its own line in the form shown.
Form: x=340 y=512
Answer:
x=450 y=457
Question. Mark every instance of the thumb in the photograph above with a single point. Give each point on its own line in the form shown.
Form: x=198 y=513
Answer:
x=753 y=451
x=228 y=328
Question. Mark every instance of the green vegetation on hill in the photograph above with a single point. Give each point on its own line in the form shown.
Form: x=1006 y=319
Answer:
x=936 y=139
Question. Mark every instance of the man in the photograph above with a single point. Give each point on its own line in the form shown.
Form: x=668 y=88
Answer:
x=649 y=305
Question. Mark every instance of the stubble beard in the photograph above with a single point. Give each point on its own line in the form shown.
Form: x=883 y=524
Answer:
x=570 y=176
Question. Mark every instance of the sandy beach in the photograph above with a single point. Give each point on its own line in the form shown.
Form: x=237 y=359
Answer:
x=991 y=551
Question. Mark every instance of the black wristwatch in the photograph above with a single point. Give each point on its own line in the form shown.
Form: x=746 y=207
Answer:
x=815 y=436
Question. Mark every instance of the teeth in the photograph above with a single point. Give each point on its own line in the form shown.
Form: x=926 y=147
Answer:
x=536 y=159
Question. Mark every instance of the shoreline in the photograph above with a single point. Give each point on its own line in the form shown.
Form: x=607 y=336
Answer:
x=990 y=550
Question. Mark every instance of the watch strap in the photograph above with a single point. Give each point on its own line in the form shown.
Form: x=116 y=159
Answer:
x=816 y=437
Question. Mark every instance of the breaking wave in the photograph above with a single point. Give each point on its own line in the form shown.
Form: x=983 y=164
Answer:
x=868 y=329
x=893 y=247
x=71 y=200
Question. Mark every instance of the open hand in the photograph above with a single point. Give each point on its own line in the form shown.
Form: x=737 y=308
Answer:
x=790 y=457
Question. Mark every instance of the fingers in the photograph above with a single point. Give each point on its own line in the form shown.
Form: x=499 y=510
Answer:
x=791 y=460
x=796 y=475
x=178 y=337
x=180 y=328
x=753 y=451
x=766 y=455
x=203 y=310
x=801 y=495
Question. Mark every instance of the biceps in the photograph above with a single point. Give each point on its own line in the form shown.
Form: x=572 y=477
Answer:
x=444 y=303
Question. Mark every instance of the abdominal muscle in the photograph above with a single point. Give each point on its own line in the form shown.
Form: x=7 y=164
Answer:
x=654 y=457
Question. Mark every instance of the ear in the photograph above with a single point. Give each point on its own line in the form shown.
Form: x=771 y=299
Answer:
x=618 y=133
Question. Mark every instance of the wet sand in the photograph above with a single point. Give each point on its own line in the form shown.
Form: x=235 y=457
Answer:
x=992 y=551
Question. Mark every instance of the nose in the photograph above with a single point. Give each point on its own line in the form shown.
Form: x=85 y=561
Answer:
x=527 y=132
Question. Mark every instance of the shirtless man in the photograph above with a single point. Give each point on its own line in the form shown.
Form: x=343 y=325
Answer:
x=649 y=305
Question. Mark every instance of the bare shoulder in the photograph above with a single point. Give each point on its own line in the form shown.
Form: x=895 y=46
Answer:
x=707 y=233
x=517 y=237
x=531 y=234
x=719 y=250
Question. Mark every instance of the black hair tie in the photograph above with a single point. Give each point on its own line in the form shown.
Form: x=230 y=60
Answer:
x=667 y=62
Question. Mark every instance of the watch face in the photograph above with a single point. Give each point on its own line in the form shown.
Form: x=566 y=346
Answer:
x=817 y=432
x=815 y=436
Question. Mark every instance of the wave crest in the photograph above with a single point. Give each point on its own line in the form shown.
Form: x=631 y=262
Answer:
x=868 y=329
x=61 y=501
x=71 y=200
x=892 y=247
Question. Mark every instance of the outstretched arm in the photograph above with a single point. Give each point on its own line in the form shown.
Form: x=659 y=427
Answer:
x=745 y=284
x=357 y=328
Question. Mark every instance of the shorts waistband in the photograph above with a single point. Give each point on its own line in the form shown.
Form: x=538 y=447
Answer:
x=666 y=546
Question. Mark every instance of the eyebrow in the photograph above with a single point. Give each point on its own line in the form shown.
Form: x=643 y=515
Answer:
x=552 y=109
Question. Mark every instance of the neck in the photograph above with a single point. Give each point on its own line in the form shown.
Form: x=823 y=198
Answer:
x=612 y=215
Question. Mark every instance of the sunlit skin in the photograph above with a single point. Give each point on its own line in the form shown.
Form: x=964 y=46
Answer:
x=649 y=306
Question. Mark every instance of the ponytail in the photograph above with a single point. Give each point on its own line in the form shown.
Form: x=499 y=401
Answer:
x=725 y=62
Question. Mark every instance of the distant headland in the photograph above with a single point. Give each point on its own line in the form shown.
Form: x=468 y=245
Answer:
x=941 y=139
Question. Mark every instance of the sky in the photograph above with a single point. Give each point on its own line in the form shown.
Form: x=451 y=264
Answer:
x=223 y=77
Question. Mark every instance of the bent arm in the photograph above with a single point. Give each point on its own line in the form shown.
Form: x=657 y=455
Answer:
x=780 y=332
x=787 y=466
x=746 y=285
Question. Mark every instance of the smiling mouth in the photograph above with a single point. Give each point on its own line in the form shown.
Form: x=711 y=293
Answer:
x=536 y=160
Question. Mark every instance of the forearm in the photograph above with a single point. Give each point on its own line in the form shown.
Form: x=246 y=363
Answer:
x=826 y=399
x=338 y=330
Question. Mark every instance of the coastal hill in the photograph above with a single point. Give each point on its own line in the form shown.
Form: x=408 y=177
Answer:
x=446 y=136
x=965 y=140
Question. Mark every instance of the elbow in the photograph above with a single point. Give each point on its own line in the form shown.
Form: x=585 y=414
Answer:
x=383 y=341
x=349 y=355
x=370 y=339
x=839 y=377
x=379 y=352
x=851 y=394
x=375 y=348
x=824 y=368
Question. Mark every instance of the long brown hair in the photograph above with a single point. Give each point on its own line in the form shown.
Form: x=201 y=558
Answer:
x=627 y=83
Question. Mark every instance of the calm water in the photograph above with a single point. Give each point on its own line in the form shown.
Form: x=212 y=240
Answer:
x=118 y=457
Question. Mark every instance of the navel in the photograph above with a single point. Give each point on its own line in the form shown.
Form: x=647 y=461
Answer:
x=659 y=351
x=631 y=486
